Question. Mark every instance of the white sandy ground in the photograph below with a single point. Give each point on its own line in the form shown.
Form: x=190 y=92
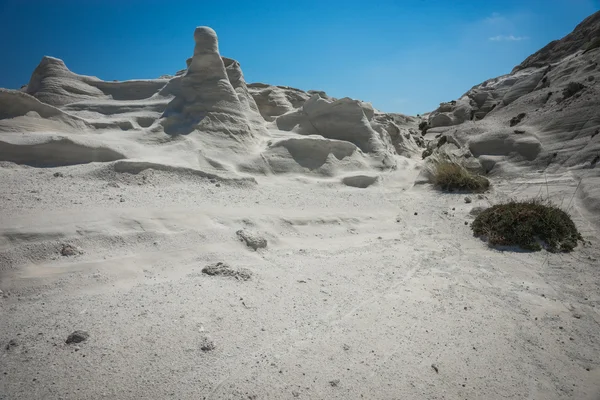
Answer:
x=354 y=297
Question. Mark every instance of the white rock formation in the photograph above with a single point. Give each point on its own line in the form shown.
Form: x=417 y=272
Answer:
x=205 y=118
x=205 y=99
x=541 y=117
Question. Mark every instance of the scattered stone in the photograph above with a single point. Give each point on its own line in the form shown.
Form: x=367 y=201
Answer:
x=334 y=382
x=68 y=250
x=453 y=208
x=480 y=196
x=578 y=316
x=59 y=175
x=114 y=184
x=122 y=200
x=346 y=347
x=519 y=131
x=416 y=213
x=222 y=269
x=516 y=120
x=11 y=343
x=466 y=223
x=207 y=344
x=468 y=200
x=435 y=368
x=212 y=180
x=252 y=239
x=295 y=394
x=77 y=337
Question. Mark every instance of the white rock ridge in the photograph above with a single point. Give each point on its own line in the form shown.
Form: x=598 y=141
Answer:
x=205 y=118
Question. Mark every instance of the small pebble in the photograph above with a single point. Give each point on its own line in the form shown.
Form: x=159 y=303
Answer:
x=77 y=337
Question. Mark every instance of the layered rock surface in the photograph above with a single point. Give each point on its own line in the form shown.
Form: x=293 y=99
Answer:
x=205 y=117
x=542 y=117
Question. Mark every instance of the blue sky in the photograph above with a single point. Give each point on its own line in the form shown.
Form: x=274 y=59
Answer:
x=403 y=56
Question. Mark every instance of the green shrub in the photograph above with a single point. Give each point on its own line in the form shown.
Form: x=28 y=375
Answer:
x=528 y=224
x=450 y=175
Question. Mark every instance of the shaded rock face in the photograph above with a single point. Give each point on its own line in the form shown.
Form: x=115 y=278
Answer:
x=205 y=99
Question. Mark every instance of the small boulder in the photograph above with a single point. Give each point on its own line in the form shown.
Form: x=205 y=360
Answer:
x=207 y=344
x=11 y=343
x=68 y=250
x=222 y=269
x=252 y=239
x=77 y=337
x=468 y=200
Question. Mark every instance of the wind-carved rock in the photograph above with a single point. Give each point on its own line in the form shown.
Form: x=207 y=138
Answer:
x=205 y=99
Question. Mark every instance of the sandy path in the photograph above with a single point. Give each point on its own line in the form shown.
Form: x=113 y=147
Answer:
x=355 y=296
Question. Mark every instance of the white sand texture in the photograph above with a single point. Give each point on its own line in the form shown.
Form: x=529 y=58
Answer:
x=198 y=237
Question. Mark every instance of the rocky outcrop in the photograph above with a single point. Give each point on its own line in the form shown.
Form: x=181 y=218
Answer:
x=207 y=114
x=343 y=119
x=542 y=117
x=204 y=97
x=274 y=101
x=53 y=83
x=582 y=36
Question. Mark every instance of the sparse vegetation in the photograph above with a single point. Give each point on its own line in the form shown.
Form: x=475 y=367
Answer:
x=451 y=175
x=423 y=126
x=530 y=224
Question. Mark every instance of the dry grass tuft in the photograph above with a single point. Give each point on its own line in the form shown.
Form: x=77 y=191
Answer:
x=451 y=175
